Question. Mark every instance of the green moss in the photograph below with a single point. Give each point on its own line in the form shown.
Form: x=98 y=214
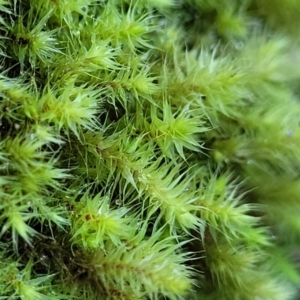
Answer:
x=149 y=149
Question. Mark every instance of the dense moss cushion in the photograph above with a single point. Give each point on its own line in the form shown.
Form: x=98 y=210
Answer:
x=149 y=149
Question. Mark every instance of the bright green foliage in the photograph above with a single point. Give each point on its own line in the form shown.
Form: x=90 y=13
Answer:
x=149 y=149
x=94 y=223
x=22 y=284
x=74 y=107
x=177 y=130
x=148 y=268
x=222 y=209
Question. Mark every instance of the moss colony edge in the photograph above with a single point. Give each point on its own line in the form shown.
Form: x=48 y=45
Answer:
x=149 y=149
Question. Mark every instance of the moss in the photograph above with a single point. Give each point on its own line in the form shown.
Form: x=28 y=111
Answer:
x=149 y=149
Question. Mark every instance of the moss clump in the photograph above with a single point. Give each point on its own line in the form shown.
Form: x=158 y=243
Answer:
x=149 y=149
